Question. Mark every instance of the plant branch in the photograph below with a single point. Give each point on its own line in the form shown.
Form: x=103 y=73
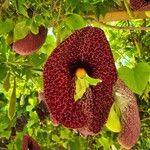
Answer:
x=121 y=28
x=25 y=65
x=2 y=148
x=145 y=119
x=129 y=11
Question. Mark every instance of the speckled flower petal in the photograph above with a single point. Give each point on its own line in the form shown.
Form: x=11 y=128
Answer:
x=95 y=112
x=130 y=119
x=87 y=48
x=29 y=143
x=140 y=4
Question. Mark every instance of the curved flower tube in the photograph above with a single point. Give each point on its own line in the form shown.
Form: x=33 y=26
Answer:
x=129 y=115
x=140 y=4
x=89 y=49
x=31 y=43
x=29 y=143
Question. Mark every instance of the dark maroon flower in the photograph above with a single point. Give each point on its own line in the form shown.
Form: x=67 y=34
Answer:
x=29 y=143
x=41 y=98
x=140 y=4
x=21 y=123
x=130 y=120
x=41 y=110
x=31 y=43
x=89 y=49
x=13 y=133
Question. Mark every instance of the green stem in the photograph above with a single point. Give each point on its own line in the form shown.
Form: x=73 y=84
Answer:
x=145 y=119
x=138 y=47
x=129 y=11
x=24 y=65
x=19 y=63
x=121 y=28
x=2 y=148
x=58 y=39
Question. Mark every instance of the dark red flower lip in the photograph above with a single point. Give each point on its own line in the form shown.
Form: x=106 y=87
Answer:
x=29 y=143
x=140 y=4
x=87 y=48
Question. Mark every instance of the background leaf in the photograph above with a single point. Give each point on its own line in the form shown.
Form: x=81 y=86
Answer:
x=136 y=78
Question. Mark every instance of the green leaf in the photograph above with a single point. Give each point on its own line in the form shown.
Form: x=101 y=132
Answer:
x=78 y=144
x=38 y=59
x=105 y=142
x=32 y=101
x=20 y=30
x=3 y=71
x=55 y=138
x=4 y=4
x=4 y=122
x=6 y=84
x=7 y=26
x=115 y=55
x=75 y=21
x=49 y=45
x=100 y=10
x=73 y=3
x=118 y=2
x=5 y=134
x=34 y=28
x=64 y=134
x=22 y=10
x=22 y=101
x=136 y=78
x=12 y=103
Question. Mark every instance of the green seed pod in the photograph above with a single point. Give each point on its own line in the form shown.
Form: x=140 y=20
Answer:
x=6 y=84
x=12 y=103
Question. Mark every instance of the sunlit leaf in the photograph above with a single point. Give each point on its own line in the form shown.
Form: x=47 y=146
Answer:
x=20 y=30
x=12 y=103
x=6 y=84
x=136 y=78
x=75 y=21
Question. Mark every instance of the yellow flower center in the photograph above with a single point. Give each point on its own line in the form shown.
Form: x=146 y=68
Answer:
x=80 y=73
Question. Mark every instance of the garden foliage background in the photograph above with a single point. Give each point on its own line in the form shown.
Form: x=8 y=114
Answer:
x=131 y=51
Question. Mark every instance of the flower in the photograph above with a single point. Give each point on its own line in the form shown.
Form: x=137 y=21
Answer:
x=21 y=123
x=29 y=143
x=88 y=49
x=31 y=43
x=130 y=120
x=140 y=4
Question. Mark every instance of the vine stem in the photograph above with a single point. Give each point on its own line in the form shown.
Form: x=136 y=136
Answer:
x=25 y=65
x=129 y=11
x=145 y=119
x=2 y=148
x=121 y=28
